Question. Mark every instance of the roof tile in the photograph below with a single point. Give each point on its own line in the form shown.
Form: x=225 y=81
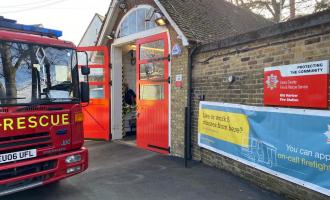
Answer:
x=211 y=20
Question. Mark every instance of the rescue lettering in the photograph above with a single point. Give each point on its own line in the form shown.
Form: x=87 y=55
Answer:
x=10 y=124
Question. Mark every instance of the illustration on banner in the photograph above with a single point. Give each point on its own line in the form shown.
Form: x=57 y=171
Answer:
x=328 y=134
x=260 y=152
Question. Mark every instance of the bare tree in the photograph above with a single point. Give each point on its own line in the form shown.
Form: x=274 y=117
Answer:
x=270 y=8
x=281 y=10
x=292 y=9
x=321 y=5
x=2 y=93
x=12 y=56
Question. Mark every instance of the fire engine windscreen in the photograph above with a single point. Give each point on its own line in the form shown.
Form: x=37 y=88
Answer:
x=31 y=73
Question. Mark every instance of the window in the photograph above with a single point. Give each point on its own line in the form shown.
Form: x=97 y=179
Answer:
x=30 y=73
x=151 y=92
x=152 y=71
x=96 y=75
x=152 y=50
x=96 y=91
x=136 y=22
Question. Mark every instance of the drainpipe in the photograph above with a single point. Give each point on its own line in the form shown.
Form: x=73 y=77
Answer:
x=188 y=131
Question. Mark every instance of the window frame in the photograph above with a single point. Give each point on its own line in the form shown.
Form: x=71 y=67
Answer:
x=126 y=17
x=74 y=74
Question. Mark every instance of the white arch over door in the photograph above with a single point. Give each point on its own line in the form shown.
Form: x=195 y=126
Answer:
x=134 y=21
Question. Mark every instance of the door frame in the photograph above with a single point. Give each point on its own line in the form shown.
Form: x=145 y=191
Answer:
x=116 y=77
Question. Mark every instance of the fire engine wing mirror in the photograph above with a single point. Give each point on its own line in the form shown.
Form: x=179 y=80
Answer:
x=84 y=88
x=85 y=70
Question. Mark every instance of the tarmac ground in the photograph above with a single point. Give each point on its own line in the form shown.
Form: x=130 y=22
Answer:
x=122 y=172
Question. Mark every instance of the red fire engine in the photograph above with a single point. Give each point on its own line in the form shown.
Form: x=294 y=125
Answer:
x=41 y=120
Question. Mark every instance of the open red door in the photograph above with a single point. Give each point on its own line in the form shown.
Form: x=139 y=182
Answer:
x=97 y=112
x=152 y=93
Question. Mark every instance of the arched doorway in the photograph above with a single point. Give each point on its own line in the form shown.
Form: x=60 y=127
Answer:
x=152 y=94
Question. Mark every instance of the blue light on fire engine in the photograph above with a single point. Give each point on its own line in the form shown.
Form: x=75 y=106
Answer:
x=11 y=24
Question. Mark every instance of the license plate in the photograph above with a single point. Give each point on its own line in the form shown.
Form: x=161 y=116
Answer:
x=18 y=155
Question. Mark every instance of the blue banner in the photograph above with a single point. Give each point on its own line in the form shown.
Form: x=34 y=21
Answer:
x=293 y=144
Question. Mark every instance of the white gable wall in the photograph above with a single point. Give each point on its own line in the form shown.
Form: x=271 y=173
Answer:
x=92 y=32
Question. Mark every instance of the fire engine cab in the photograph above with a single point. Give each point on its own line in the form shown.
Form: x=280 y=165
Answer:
x=41 y=119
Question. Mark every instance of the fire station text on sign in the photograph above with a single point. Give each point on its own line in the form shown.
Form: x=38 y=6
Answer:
x=298 y=85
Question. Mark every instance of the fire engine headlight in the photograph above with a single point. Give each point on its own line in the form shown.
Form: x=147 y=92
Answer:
x=73 y=169
x=73 y=159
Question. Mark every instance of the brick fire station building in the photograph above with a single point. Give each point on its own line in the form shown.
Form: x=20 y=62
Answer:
x=174 y=54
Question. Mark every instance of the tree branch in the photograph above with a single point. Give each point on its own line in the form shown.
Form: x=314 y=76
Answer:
x=270 y=10
x=21 y=58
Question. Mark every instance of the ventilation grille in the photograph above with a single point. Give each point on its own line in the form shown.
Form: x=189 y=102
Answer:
x=31 y=108
x=3 y=110
x=25 y=142
x=28 y=169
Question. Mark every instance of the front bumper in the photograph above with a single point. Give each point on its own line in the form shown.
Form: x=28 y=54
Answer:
x=28 y=174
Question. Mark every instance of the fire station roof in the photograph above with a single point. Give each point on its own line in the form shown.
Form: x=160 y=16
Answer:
x=211 y=20
x=197 y=20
